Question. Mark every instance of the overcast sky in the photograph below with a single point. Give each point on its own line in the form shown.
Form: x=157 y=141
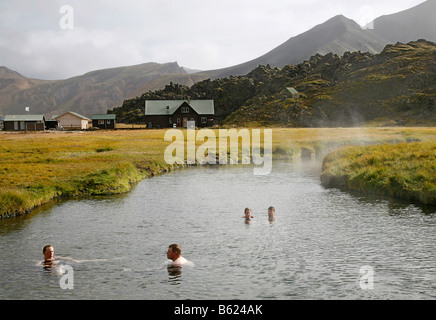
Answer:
x=44 y=39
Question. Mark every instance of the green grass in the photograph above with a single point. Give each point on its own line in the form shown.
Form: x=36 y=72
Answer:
x=405 y=171
x=36 y=167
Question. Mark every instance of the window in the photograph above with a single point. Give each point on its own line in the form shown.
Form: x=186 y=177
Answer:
x=100 y=121
x=108 y=121
x=178 y=120
x=170 y=120
x=185 y=109
x=203 y=120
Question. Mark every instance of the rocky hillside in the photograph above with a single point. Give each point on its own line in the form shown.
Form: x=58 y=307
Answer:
x=98 y=91
x=395 y=87
x=340 y=34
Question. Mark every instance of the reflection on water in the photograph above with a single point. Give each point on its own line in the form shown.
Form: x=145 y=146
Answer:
x=175 y=275
x=314 y=249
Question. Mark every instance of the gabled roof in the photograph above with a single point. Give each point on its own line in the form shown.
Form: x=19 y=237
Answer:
x=168 y=107
x=74 y=114
x=103 y=116
x=292 y=90
x=24 y=117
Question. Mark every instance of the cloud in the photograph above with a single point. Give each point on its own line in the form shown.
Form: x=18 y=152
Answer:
x=62 y=54
x=199 y=34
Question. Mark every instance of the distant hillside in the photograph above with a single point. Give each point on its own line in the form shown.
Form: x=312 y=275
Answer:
x=10 y=83
x=98 y=91
x=91 y=93
x=336 y=35
x=395 y=87
x=340 y=34
x=416 y=23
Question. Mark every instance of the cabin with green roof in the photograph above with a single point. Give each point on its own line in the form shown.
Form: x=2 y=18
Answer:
x=103 y=121
x=24 y=122
x=177 y=113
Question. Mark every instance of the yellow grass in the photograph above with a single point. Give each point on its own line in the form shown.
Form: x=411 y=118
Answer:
x=36 y=167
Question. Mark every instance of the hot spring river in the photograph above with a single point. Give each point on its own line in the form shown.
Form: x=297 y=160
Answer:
x=315 y=249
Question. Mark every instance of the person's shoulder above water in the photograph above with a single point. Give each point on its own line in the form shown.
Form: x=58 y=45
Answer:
x=181 y=261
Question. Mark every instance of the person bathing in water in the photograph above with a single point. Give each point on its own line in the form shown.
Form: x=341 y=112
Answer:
x=271 y=214
x=50 y=258
x=247 y=214
x=174 y=253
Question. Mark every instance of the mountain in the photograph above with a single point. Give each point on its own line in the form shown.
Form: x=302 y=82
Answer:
x=98 y=91
x=12 y=82
x=409 y=25
x=340 y=34
x=91 y=93
x=336 y=35
x=394 y=87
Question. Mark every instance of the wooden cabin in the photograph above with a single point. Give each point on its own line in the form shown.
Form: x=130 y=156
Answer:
x=104 y=121
x=177 y=113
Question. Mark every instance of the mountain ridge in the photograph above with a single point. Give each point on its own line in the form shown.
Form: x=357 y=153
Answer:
x=408 y=25
x=93 y=92
x=337 y=35
x=101 y=90
x=394 y=87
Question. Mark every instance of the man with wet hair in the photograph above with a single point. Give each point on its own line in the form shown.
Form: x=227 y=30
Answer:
x=174 y=253
x=48 y=252
x=49 y=257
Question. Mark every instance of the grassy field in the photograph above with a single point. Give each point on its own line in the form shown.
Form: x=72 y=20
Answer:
x=404 y=171
x=38 y=167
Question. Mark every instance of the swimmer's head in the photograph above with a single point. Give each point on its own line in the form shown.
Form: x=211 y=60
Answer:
x=174 y=252
x=271 y=213
x=247 y=213
x=48 y=252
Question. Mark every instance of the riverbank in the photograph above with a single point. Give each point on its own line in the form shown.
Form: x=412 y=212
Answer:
x=405 y=171
x=38 y=167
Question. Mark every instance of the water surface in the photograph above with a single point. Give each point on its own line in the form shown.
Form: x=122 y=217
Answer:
x=314 y=249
